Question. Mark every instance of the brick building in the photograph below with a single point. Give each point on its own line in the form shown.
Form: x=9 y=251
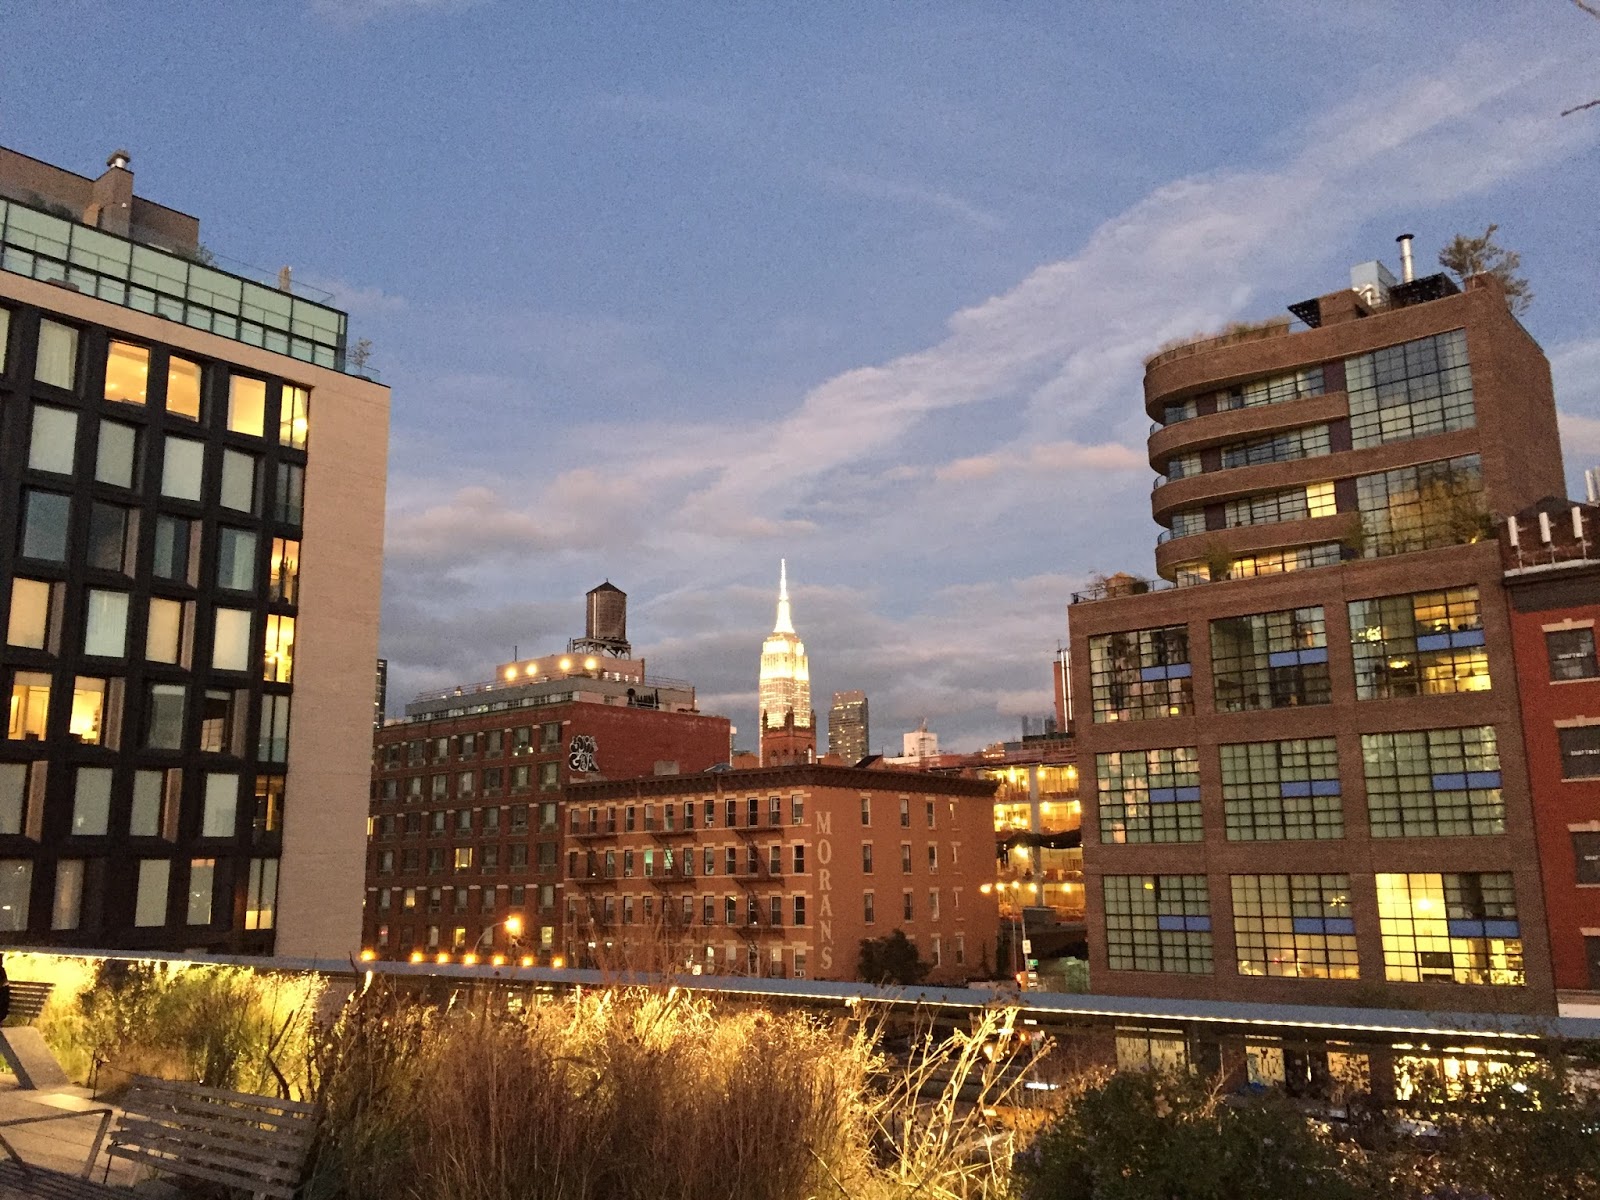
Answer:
x=1302 y=766
x=1552 y=578
x=780 y=871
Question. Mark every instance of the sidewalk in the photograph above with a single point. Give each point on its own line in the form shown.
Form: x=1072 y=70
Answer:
x=58 y=1145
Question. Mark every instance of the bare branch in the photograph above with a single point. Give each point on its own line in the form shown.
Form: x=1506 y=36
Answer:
x=1588 y=8
x=1580 y=107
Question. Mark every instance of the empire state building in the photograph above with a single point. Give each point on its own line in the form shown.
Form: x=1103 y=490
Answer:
x=788 y=725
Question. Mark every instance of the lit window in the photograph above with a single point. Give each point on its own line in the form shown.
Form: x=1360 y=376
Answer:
x=1294 y=926
x=127 y=372
x=278 y=664
x=183 y=388
x=230 y=647
x=284 y=581
x=30 y=706
x=1427 y=644
x=293 y=417
x=216 y=721
x=1450 y=929
x=164 y=631
x=29 y=622
x=88 y=710
x=247 y=405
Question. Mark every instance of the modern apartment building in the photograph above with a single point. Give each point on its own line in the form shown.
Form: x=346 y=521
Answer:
x=780 y=872
x=1552 y=577
x=191 y=528
x=849 y=731
x=1301 y=747
x=466 y=824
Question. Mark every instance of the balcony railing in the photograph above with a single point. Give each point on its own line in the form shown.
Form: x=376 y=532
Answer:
x=52 y=249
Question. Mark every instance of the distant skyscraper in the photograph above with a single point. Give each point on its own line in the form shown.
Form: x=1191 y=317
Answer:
x=848 y=735
x=788 y=726
x=380 y=694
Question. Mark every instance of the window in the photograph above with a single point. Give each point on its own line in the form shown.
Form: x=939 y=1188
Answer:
x=1270 y=660
x=30 y=706
x=549 y=777
x=163 y=639
x=866 y=810
x=930 y=814
x=1585 y=854
x=1282 y=791
x=293 y=417
x=1572 y=654
x=268 y=817
x=117 y=454
x=905 y=813
x=216 y=722
x=238 y=481
x=797 y=810
x=105 y=633
x=55 y=439
x=44 y=526
x=866 y=858
x=933 y=858
x=1427 y=644
x=1450 y=929
x=127 y=372
x=247 y=405
x=91 y=802
x=1422 y=506
x=16 y=884
x=66 y=909
x=150 y=906
x=273 y=743
x=289 y=498
x=868 y=908
x=236 y=559
x=202 y=882
x=57 y=360
x=145 y=816
x=183 y=468
x=183 y=388
x=1274 y=389
x=1433 y=782
x=111 y=538
x=88 y=710
x=907 y=907
x=905 y=858
x=278 y=660
x=1158 y=923
x=261 y=898
x=1294 y=926
x=1309 y=442
x=171 y=557
x=220 y=818
x=15 y=779
x=29 y=623
x=1410 y=390
x=1140 y=674
x=1149 y=795
x=283 y=581
x=799 y=859
x=230 y=647
x=1580 y=751
x=1188 y=522
x=1291 y=504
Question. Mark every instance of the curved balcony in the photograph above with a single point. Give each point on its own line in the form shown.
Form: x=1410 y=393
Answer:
x=1217 y=487
x=1237 y=424
x=1247 y=539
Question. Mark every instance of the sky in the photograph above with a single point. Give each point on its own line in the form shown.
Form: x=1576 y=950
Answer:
x=667 y=292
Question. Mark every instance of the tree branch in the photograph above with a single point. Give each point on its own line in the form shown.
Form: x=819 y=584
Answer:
x=1579 y=107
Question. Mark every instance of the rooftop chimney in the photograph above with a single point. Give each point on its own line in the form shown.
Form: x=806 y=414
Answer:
x=119 y=160
x=1407 y=274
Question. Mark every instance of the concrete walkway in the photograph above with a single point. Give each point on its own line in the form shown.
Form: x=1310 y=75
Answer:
x=60 y=1145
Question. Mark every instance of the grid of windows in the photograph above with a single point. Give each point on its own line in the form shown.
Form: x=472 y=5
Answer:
x=1265 y=562
x=1290 y=504
x=1571 y=654
x=1450 y=929
x=1294 y=926
x=1158 y=923
x=1141 y=674
x=1270 y=660
x=1426 y=644
x=1580 y=751
x=1149 y=795
x=1188 y=521
x=1422 y=507
x=1274 y=389
x=1310 y=442
x=1282 y=791
x=1433 y=782
x=1410 y=390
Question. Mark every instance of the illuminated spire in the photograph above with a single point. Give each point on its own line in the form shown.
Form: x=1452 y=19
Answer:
x=785 y=623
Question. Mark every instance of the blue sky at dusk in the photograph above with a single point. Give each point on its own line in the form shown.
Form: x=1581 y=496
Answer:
x=668 y=291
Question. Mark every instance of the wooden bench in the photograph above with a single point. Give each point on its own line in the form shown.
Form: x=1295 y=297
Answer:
x=28 y=999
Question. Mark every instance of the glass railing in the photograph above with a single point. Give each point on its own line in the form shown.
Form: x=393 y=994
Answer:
x=133 y=275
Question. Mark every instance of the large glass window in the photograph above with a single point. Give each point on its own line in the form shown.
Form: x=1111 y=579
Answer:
x=247 y=405
x=57 y=360
x=30 y=706
x=216 y=721
x=1434 y=782
x=87 y=723
x=1158 y=923
x=164 y=717
x=29 y=621
x=1422 y=507
x=289 y=499
x=230 y=647
x=261 y=900
x=44 y=526
x=1188 y=521
x=1294 y=926
x=183 y=388
x=1410 y=390
x=171 y=556
x=117 y=454
x=14 y=788
x=283 y=582
x=236 y=559
x=16 y=883
x=1572 y=654
x=145 y=817
x=1273 y=389
x=53 y=444
x=1270 y=660
x=238 y=481
x=222 y=806
x=202 y=882
x=150 y=907
x=91 y=802
x=1282 y=791
x=127 y=372
x=105 y=631
x=183 y=468
x=1310 y=442
x=273 y=743
x=67 y=907
x=1427 y=644
x=1291 y=504
x=112 y=542
x=1580 y=751
x=278 y=656
x=1141 y=674
x=163 y=641
x=1149 y=795
x=1450 y=929
x=293 y=417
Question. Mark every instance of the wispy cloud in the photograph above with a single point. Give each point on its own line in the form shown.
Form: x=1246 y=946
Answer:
x=354 y=12
x=904 y=193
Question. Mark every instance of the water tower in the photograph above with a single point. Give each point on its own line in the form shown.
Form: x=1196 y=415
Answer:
x=605 y=624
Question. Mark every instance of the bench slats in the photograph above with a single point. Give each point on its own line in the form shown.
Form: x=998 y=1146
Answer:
x=179 y=1141
x=143 y=1083
x=197 y=1171
x=171 y=1107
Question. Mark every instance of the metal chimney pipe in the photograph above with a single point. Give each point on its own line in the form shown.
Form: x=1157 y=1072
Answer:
x=1406 y=272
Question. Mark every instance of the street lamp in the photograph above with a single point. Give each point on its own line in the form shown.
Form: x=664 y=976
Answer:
x=513 y=926
x=1016 y=885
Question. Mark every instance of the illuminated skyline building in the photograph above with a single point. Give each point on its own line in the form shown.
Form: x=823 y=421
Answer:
x=788 y=725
